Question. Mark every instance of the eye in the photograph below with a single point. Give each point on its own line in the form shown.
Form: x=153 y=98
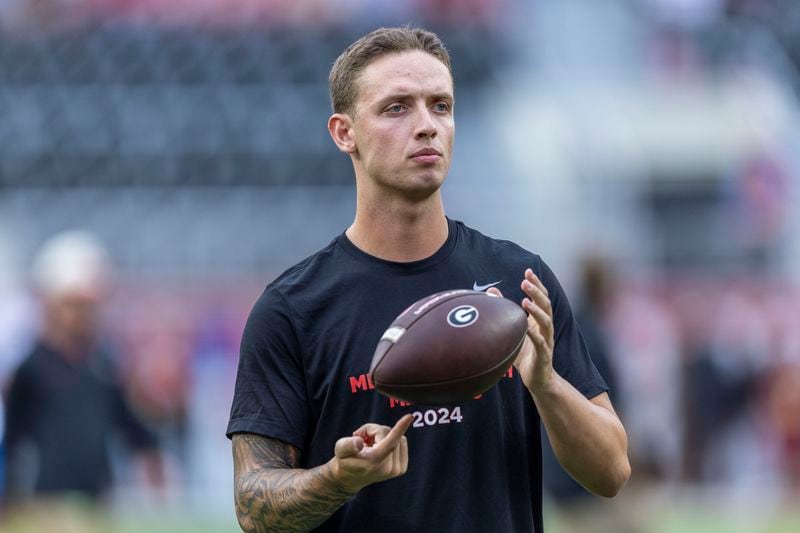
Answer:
x=442 y=107
x=395 y=108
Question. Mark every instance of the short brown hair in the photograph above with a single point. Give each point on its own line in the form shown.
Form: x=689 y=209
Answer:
x=348 y=66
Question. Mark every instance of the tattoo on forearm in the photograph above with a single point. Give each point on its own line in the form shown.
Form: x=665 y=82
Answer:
x=272 y=495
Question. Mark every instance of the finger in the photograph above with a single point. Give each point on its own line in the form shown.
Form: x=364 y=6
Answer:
x=535 y=334
x=403 y=455
x=385 y=446
x=372 y=433
x=348 y=447
x=533 y=278
x=370 y=428
x=494 y=291
x=533 y=325
x=536 y=294
x=544 y=320
x=537 y=282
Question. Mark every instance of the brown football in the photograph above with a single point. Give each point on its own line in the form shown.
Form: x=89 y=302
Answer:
x=448 y=347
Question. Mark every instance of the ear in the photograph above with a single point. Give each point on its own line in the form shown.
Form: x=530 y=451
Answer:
x=340 y=126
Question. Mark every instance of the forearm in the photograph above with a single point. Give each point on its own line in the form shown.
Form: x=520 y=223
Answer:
x=278 y=500
x=273 y=495
x=588 y=440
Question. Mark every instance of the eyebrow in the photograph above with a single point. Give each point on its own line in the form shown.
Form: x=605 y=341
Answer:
x=401 y=96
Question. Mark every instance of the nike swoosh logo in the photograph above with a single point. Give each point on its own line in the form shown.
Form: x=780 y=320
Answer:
x=476 y=287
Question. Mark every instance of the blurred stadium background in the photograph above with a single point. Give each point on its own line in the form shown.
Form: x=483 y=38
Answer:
x=657 y=138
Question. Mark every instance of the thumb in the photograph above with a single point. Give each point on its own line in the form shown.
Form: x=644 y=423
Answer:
x=494 y=291
x=348 y=446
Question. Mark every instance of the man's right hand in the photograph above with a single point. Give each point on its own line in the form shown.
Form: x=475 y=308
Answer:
x=374 y=453
x=274 y=494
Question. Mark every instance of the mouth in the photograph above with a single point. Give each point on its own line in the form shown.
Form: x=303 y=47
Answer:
x=427 y=156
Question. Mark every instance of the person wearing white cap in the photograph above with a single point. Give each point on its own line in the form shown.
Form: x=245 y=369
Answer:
x=65 y=400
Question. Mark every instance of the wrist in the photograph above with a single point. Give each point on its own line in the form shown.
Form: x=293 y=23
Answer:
x=545 y=389
x=333 y=473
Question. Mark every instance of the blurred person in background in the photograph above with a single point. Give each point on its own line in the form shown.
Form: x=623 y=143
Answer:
x=721 y=381
x=65 y=403
x=781 y=426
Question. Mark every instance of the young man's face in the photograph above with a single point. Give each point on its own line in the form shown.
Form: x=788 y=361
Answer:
x=403 y=123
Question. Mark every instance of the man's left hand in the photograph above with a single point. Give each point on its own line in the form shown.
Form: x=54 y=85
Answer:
x=535 y=359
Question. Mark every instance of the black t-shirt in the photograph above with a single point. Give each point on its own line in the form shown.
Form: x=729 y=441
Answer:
x=302 y=378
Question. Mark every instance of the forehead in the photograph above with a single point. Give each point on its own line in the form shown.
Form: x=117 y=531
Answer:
x=407 y=72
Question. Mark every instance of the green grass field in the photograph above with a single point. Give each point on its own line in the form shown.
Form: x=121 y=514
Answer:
x=700 y=521
x=651 y=516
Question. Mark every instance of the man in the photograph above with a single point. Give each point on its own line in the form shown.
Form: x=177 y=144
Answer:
x=313 y=445
x=65 y=402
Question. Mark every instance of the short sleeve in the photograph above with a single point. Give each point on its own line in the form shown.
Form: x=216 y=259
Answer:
x=571 y=357
x=270 y=394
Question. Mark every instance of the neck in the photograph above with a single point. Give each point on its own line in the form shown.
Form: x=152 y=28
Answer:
x=396 y=229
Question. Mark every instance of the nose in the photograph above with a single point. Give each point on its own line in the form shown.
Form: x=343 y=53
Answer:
x=426 y=126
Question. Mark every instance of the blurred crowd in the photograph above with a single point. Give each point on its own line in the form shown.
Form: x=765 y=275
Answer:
x=60 y=14
x=706 y=366
x=706 y=375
